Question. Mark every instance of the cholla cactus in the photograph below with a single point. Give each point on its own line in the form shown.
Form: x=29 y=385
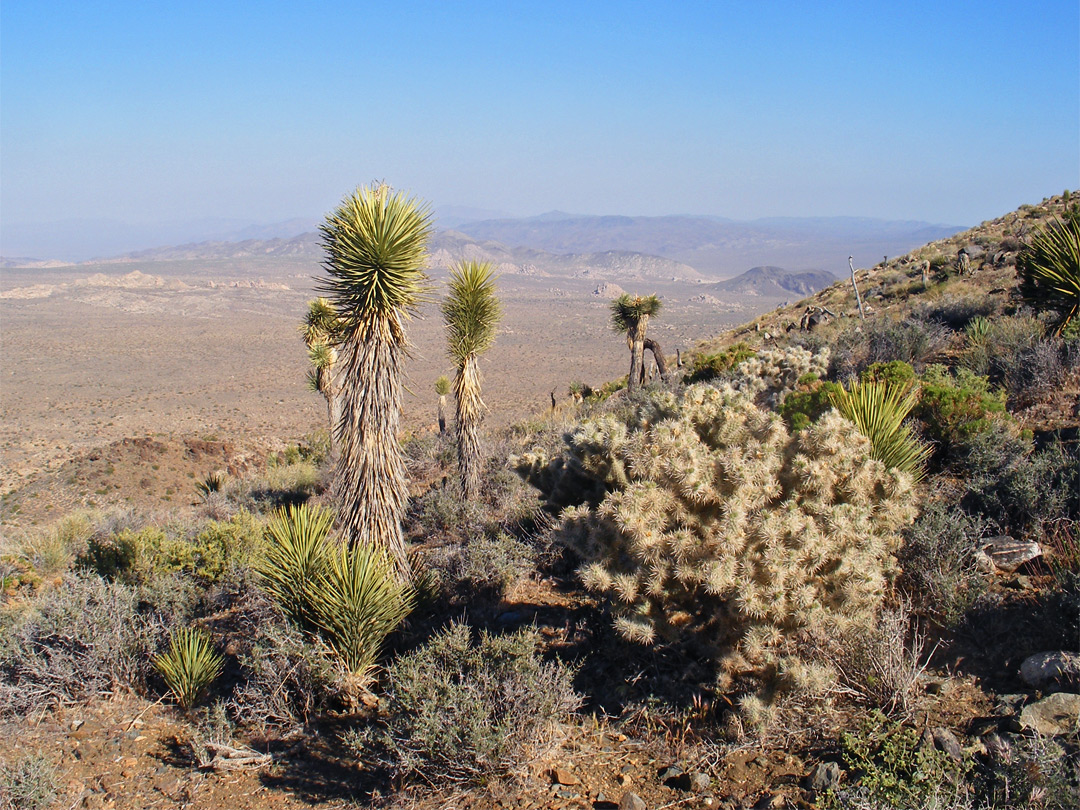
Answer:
x=772 y=374
x=718 y=523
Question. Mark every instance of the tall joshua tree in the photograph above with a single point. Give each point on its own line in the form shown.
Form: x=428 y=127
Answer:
x=471 y=312
x=321 y=331
x=375 y=243
x=630 y=316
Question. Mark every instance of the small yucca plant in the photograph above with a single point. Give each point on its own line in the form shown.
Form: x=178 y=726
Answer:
x=213 y=482
x=879 y=410
x=358 y=602
x=1049 y=270
x=294 y=558
x=190 y=666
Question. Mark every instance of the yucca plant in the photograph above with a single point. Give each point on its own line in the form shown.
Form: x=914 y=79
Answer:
x=375 y=243
x=1049 y=269
x=190 y=666
x=442 y=388
x=879 y=410
x=213 y=482
x=357 y=602
x=630 y=316
x=471 y=313
x=294 y=558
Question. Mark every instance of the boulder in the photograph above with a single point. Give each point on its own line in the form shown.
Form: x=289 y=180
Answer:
x=1007 y=554
x=1052 y=716
x=1045 y=669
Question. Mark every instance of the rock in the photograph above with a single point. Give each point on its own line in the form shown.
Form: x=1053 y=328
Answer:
x=1051 y=668
x=769 y=802
x=631 y=801
x=1007 y=554
x=1054 y=715
x=824 y=777
x=561 y=776
x=945 y=740
x=699 y=782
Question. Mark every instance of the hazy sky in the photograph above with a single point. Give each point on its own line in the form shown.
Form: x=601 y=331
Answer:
x=951 y=112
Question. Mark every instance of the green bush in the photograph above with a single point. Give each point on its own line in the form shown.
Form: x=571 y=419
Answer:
x=710 y=366
x=459 y=711
x=190 y=665
x=808 y=402
x=893 y=767
x=954 y=409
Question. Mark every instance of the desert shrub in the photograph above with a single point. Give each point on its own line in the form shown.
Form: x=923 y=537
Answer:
x=715 y=524
x=190 y=665
x=287 y=484
x=896 y=373
x=349 y=596
x=937 y=562
x=50 y=552
x=1015 y=354
x=807 y=402
x=28 y=782
x=891 y=766
x=880 y=661
x=487 y=564
x=955 y=312
x=882 y=340
x=459 y=711
x=956 y=408
x=1039 y=773
x=286 y=676
x=83 y=638
x=710 y=366
x=136 y=557
x=1016 y=486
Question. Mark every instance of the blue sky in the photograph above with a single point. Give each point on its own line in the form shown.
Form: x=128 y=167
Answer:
x=950 y=112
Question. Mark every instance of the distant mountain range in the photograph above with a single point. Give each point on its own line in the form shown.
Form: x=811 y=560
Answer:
x=715 y=246
x=687 y=248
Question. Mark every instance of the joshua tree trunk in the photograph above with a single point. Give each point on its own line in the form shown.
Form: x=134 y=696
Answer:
x=442 y=413
x=470 y=413
x=858 y=298
x=658 y=356
x=370 y=488
x=637 y=352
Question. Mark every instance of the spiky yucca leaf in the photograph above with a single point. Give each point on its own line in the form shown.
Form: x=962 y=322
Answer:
x=190 y=666
x=357 y=602
x=376 y=243
x=1049 y=269
x=442 y=385
x=878 y=409
x=295 y=556
x=471 y=311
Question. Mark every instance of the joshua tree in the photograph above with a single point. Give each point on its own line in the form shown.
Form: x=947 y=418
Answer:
x=321 y=330
x=630 y=316
x=471 y=312
x=375 y=243
x=442 y=388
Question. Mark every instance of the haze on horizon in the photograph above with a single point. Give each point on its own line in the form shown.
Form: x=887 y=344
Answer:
x=137 y=118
